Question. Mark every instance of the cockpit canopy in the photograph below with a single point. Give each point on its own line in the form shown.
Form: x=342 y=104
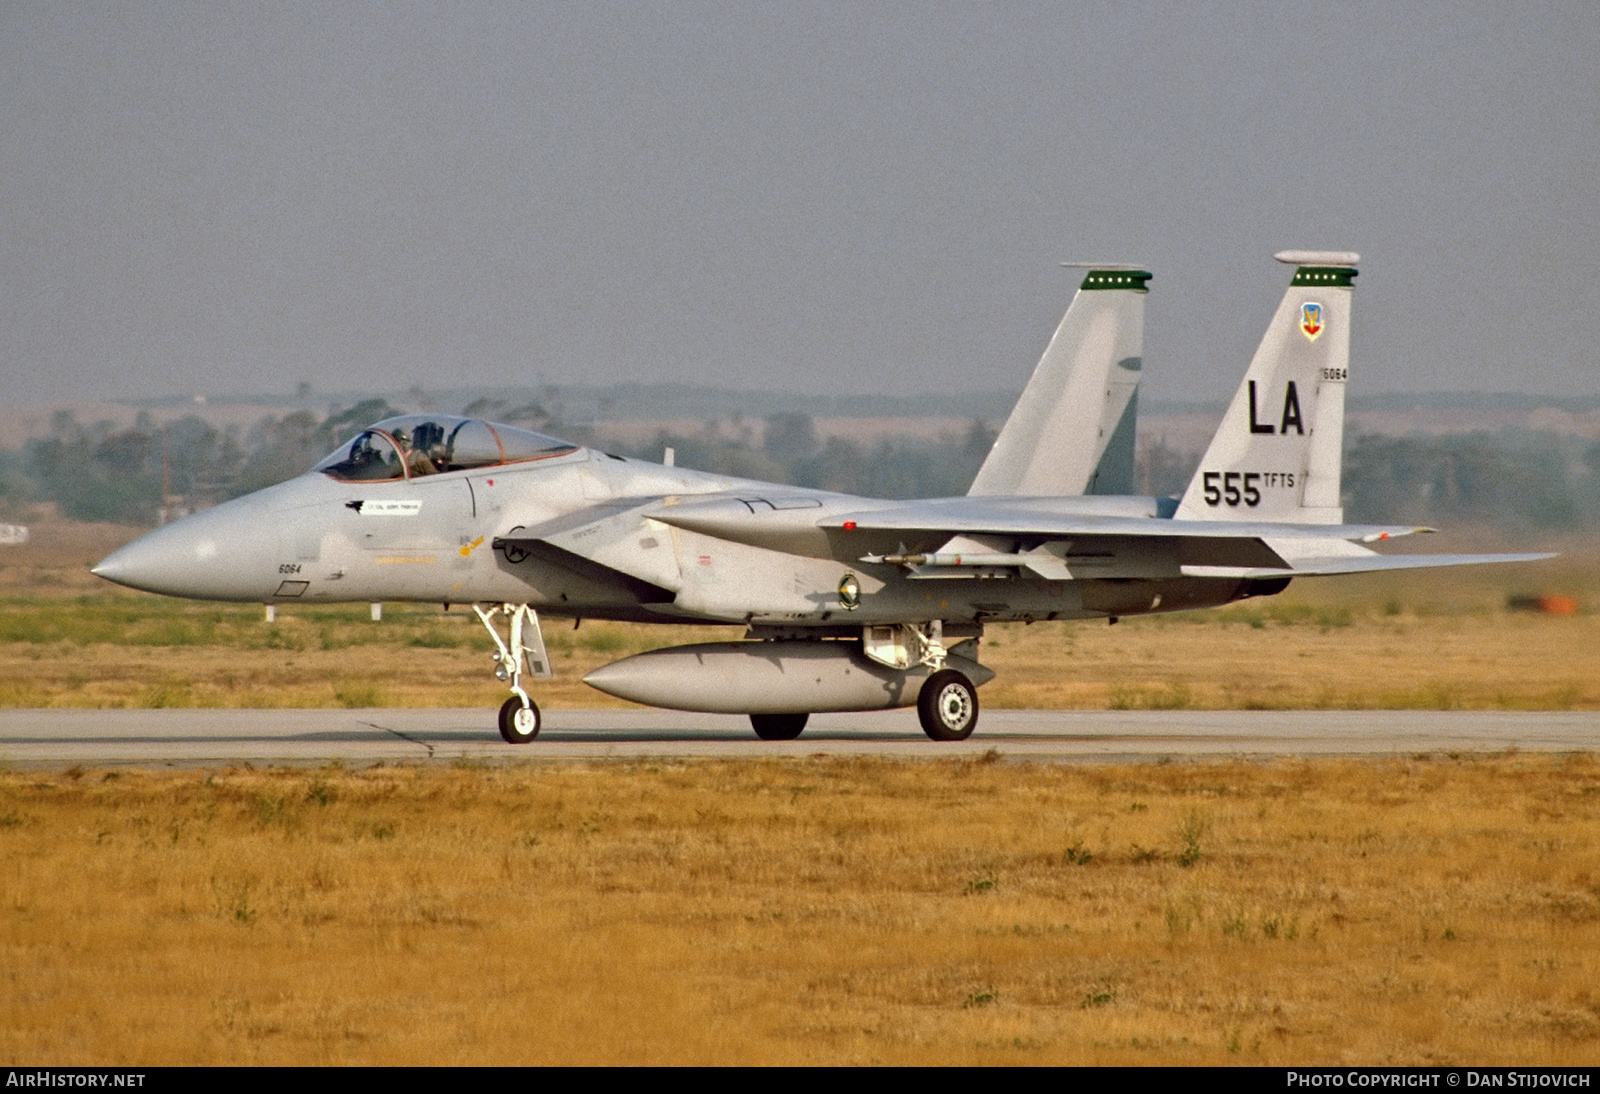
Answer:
x=431 y=444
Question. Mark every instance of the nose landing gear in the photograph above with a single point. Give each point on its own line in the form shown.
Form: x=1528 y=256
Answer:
x=522 y=650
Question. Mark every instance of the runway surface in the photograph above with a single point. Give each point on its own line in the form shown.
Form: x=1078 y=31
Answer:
x=219 y=738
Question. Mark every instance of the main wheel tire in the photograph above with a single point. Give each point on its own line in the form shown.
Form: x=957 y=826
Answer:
x=947 y=705
x=519 y=724
x=778 y=727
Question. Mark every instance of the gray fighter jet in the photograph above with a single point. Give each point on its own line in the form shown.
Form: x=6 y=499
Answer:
x=850 y=603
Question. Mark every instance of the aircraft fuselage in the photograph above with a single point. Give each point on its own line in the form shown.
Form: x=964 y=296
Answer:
x=454 y=538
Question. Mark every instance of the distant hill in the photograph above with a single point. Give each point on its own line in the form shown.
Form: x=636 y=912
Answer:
x=1487 y=402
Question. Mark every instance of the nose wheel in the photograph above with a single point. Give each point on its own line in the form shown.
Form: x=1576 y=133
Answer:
x=522 y=650
x=519 y=720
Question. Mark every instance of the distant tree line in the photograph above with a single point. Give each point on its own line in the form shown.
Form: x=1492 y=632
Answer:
x=791 y=452
x=140 y=474
x=1512 y=479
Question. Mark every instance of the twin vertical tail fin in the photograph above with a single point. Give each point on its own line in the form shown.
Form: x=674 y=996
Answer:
x=1072 y=432
x=1278 y=453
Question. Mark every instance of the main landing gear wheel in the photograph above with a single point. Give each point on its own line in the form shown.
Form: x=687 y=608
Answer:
x=778 y=727
x=519 y=724
x=947 y=705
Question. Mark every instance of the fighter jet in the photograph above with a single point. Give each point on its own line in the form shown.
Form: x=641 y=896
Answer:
x=849 y=603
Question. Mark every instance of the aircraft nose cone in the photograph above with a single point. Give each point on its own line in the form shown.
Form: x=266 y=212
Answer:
x=219 y=554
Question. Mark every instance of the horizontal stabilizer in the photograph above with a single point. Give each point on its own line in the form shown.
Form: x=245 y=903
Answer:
x=1315 y=567
x=1372 y=563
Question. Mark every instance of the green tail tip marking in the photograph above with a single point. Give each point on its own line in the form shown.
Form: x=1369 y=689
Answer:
x=1116 y=279
x=1342 y=277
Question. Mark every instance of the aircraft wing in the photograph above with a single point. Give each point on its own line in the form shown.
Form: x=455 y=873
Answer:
x=983 y=516
x=1136 y=546
x=1055 y=538
x=789 y=523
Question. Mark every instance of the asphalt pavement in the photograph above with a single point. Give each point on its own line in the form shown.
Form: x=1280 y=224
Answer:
x=218 y=738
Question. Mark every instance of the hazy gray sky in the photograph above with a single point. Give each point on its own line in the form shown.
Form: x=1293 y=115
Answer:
x=795 y=196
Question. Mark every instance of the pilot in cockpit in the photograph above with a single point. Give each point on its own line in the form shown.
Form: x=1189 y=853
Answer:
x=424 y=448
x=429 y=442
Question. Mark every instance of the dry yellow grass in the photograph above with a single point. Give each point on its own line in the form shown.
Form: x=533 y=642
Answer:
x=823 y=911
x=419 y=657
x=1242 y=659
